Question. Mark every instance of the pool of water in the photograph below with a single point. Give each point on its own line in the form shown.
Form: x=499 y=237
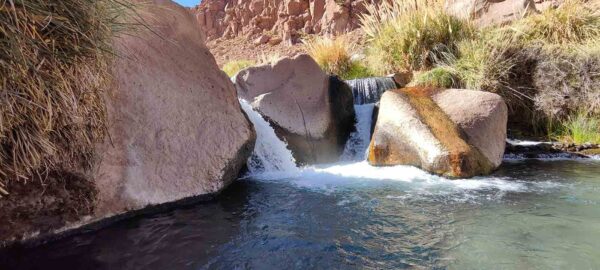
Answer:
x=530 y=214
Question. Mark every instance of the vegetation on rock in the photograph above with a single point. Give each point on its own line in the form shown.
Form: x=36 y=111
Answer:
x=54 y=59
x=335 y=56
x=544 y=65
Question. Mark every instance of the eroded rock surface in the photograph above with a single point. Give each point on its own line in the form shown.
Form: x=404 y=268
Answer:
x=455 y=133
x=312 y=112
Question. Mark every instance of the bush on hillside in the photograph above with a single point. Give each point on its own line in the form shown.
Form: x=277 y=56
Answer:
x=575 y=21
x=54 y=58
x=402 y=35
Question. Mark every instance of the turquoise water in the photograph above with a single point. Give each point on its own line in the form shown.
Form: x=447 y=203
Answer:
x=528 y=215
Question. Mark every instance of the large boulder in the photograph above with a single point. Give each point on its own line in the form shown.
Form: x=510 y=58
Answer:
x=486 y=12
x=311 y=111
x=455 y=133
x=176 y=130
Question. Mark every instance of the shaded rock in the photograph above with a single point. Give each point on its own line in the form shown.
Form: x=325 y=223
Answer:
x=175 y=127
x=422 y=127
x=312 y=112
x=402 y=78
x=549 y=150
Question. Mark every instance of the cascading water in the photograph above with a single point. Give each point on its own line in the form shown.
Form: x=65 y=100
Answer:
x=369 y=90
x=358 y=143
x=270 y=155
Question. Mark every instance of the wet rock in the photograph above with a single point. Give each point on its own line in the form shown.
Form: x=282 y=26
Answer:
x=310 y=111
x=440 y=131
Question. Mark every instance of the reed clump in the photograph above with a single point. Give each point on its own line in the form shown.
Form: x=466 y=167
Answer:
x=54 y=68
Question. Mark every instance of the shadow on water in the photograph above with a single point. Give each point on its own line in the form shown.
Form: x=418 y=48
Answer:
x=179 y=239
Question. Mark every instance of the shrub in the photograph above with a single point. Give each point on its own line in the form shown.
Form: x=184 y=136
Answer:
x=54 y=58
x=437 y=77
x=581 y=128
x=402 y=34
x=357 y=70
x=567 y=82
x=335 y=56
x=233 y=67
x=573 y=22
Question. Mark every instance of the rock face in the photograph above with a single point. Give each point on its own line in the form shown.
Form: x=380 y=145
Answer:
x=312 y=112
x=176 y=127
x=455 y=133
x=287 y=18
x=487 y=12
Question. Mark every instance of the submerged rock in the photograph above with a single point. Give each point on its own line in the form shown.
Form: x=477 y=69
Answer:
x=308 y=109
x=176 y=130
x=455 y=133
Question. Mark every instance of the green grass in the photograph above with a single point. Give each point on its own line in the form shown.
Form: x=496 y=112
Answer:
x=436 y=77
x=233 y=67
x=403 y=35
x=580 y=128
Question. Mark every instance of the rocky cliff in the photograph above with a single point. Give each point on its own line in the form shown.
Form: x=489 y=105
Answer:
x=274 y=21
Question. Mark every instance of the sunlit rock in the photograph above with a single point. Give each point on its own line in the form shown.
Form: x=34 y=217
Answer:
x=455 y=133
x=311 y=111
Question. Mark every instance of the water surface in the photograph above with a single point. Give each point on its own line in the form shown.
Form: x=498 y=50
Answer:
x=528 y=215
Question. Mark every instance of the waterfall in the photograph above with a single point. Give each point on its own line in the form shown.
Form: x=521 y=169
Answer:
x=358 y=143
x=270 y=154
x=369 y=90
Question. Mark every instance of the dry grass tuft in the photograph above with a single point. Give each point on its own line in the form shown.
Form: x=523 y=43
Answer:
x=403 y=34
x=54 y=59
x=233 y=67
x=573 y=22
x=332 y=54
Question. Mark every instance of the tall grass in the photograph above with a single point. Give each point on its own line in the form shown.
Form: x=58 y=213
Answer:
x=580 y=128
x=54 y=59
x=573 y=22
x=334 y=55
x=403 y=34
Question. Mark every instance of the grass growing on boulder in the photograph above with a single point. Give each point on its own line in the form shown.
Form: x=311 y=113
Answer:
x=54 y=59
x=233 y=67
x=439 y=77
x=335 y=56
x=403 y=34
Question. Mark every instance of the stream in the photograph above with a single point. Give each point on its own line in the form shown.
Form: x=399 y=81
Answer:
x=530 y=214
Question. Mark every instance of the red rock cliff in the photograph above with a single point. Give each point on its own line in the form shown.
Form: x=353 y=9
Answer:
x=276 y=20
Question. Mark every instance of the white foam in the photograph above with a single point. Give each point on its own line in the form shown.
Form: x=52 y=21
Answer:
x=358 y=142
x=523 y=142
x=270 y=154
